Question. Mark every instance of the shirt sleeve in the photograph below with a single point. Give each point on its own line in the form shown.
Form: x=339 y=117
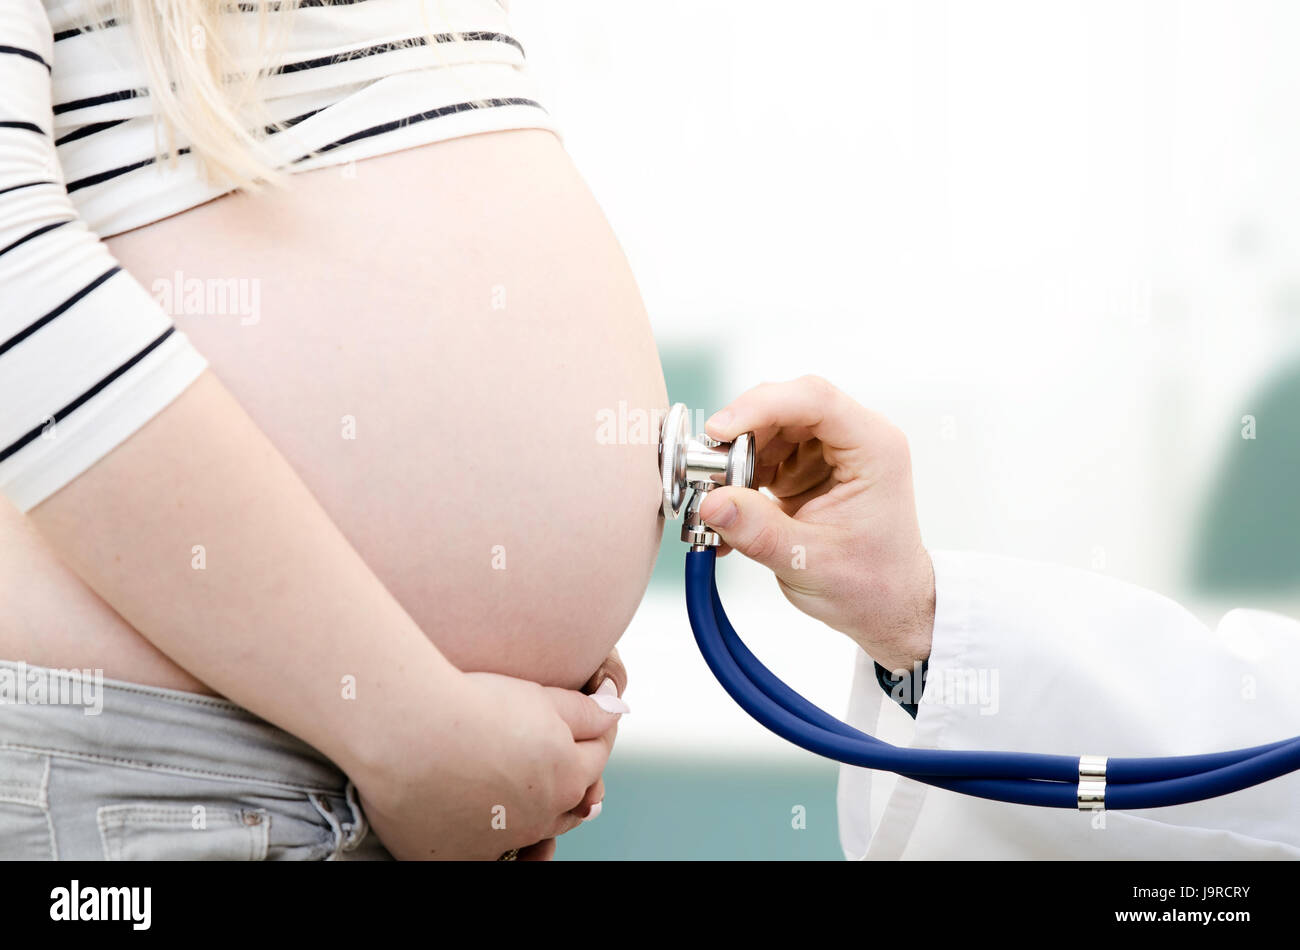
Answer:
x=905 y=687
x=87 y=356
x=1032 y=657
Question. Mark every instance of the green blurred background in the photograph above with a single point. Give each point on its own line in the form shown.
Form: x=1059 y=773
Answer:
x=663 y=808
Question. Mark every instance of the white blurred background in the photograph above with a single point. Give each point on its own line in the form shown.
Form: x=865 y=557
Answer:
x=1054 y=241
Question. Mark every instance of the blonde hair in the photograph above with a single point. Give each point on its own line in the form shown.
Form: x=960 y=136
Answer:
x=204 y=94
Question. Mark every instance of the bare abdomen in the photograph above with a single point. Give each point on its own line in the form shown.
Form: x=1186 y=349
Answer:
x=429 y=338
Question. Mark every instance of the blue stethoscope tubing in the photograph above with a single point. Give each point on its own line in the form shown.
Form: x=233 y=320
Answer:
x=1022 y=778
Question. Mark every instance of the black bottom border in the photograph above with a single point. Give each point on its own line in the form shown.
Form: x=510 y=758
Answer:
x=513 y=901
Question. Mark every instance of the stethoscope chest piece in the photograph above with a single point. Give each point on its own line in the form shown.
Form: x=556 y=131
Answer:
x=700 y=463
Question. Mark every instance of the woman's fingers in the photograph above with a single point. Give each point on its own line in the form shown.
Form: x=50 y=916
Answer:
x=593 y=721
x=565 y=823
x=611 y=669
x=587 y=810
x=590 y=805
x=592 y=755
x=592 y=716
x=588 y=764
x=596 y=786
x=595 y=795
x=588 y=717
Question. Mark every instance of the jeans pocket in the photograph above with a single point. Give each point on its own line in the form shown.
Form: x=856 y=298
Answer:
x=25 y=831
x=191 y=831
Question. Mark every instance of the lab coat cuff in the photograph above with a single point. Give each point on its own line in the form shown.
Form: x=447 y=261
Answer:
x=952 y=680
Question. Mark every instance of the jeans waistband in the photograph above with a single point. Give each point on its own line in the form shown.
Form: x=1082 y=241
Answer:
x=79 y=713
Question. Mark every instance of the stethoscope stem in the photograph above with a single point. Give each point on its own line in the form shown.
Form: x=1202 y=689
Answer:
x=1024 y=778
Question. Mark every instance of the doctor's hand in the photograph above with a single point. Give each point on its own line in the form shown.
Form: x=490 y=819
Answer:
x=841 y=535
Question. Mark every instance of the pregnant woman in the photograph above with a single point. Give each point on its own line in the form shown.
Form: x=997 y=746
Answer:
x=307 y=322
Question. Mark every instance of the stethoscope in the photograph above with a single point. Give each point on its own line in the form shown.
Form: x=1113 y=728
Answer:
x=1086 y=782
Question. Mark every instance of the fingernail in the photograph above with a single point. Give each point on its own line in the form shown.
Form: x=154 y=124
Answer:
x=607 y=687
x=719 y=420
x=595 y=811
x=611 y=704
x=722 y=517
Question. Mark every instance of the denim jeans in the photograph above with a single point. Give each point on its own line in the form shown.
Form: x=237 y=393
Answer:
x=94 y=769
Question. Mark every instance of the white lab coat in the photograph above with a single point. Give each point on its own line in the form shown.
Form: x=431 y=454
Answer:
x=1078 y=663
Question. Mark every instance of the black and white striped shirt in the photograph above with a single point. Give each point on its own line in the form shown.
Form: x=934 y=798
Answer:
x=87 y=356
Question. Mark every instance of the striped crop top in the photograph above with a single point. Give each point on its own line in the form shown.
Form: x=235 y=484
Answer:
x=87 y=356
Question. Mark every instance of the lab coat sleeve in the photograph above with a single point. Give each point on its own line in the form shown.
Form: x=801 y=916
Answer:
x=1038 y=658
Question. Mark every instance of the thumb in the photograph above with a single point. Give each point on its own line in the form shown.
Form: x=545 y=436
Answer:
x=754 y=525
x=588 y=717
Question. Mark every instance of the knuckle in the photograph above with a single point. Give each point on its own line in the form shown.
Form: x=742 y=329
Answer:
x=818 y=385
x=896 y=443
x=558 y=739
x=572 y=795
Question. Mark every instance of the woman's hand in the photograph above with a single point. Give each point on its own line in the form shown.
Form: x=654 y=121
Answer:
x=842 y=535
x=511 y=767
x=608 y=681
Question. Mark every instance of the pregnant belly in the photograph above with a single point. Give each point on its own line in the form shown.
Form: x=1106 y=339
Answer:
x=430 y=338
